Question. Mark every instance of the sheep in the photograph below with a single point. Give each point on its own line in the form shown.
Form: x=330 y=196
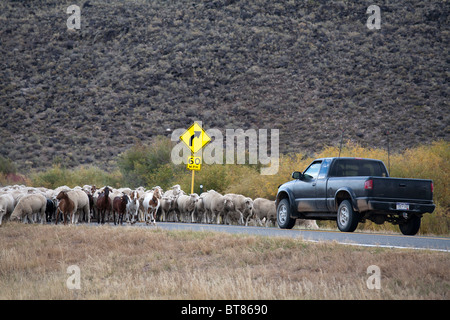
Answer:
x=214 y=204
x=264 y=209
x=151 y=205
x=120 y=206
x=81 y=202
x=103 y=204
x=242 y=210
x=186 y=206
x=28 y=205
x=199 y=213
x=66 y=206
x=133 y=207
x=307 y=223
x=167 y=203
x=6 y=206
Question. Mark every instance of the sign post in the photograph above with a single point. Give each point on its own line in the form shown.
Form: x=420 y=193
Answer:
x=192 y=181
x=195 y=139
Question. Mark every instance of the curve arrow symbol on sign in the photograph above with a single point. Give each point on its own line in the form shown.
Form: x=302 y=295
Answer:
x=195 y=135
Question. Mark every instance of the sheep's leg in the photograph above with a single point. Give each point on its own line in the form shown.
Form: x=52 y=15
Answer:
x=136 y=215
x=43 y=218
x=57 y=215
x=217 y=218
x=87 y=211
x=247 y=220
x=154 y=217
x=241 y=218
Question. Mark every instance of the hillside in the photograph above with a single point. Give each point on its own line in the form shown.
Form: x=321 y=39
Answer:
x=136 y=68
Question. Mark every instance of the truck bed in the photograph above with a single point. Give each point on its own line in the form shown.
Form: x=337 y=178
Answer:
x=393 y=189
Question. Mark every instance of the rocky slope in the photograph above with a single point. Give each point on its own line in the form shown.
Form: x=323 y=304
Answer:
x=136 y=68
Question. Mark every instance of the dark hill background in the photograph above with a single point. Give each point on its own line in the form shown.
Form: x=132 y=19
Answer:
x=136 y=68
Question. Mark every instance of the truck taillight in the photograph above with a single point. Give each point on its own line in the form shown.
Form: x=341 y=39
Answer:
x=432 y=187
x=368 y=184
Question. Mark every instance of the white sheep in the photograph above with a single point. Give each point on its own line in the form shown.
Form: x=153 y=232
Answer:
x=28 y=205
x=81 y=202
x=6 y=206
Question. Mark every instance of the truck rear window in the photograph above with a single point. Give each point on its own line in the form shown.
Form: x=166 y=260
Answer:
x=357 y=167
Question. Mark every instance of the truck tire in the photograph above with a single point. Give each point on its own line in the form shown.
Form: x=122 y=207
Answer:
x=347 y=218
x=411 y=226
x=284 y=219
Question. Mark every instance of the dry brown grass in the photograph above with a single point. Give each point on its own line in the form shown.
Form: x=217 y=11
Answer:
x=142 y=263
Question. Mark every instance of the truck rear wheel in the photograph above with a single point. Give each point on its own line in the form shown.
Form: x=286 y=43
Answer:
x=411 y=226
x=347 y=218
x=284 y=219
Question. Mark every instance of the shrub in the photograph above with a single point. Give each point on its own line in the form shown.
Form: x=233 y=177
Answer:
x=7 y=166
x=59 y=176
x=149 y=166
x=140 y=160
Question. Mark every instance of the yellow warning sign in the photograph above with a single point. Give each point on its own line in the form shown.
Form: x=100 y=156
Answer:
x=195 y=137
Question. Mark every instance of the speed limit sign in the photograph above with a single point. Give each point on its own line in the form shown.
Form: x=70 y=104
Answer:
x=194 y=163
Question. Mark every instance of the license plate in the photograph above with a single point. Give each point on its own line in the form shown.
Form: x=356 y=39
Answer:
x=402 y=206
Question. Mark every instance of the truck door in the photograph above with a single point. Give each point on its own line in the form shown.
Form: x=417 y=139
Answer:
x=321 y=186
x=305 y=189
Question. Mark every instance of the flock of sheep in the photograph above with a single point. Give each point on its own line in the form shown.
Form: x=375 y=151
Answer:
x=44 y=205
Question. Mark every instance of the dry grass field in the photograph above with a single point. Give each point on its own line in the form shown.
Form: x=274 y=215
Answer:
x=150 y=263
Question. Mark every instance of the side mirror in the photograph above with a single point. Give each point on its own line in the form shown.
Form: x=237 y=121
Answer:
x=297 y=175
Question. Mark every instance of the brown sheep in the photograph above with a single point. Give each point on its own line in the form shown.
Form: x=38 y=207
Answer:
x=119 y=206
x=66 y=206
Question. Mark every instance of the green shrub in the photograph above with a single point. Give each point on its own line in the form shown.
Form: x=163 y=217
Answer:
x=59 y=176
x=143 y=165
x=7 y=166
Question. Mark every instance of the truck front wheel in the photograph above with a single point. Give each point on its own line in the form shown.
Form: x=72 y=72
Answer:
x=347 y=218
x=284 y=219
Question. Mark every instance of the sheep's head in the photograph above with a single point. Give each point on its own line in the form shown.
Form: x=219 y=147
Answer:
x=228 y=203
x=249 y=203
x=61 y=195
x=15 y=218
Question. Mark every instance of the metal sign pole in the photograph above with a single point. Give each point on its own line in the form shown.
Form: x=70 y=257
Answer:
x=192 y=183
x=193 y=175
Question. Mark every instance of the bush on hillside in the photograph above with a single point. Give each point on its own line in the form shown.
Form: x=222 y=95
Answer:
x=59 y=176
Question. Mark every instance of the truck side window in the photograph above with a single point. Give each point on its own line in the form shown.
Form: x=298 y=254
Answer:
x=313 y=171
x=324 y=169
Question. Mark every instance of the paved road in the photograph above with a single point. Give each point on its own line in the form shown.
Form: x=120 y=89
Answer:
x=355 y=238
